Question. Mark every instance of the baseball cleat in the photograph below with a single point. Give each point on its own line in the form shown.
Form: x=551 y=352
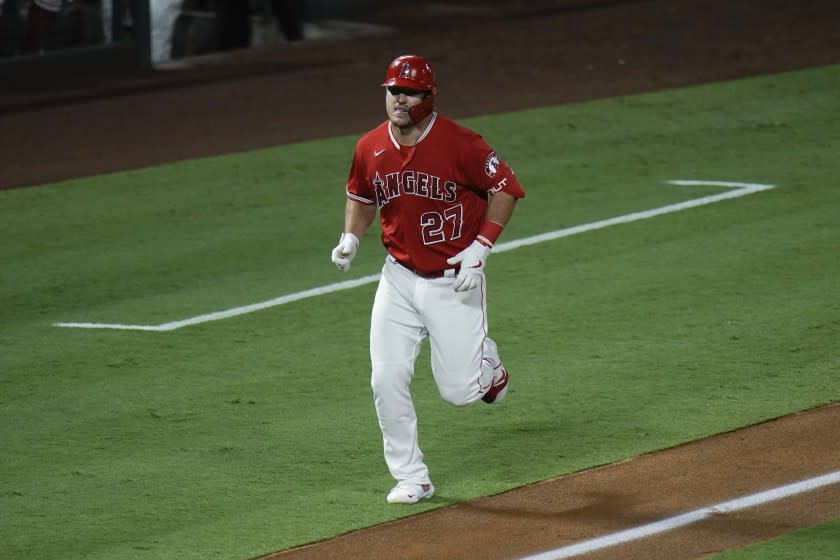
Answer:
x=497 y=391
x=410 y=493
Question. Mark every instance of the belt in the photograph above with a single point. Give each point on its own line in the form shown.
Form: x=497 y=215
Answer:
x=447 y=273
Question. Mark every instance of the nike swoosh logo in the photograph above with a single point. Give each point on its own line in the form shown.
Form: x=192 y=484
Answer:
x=410 y=496
x=378 y=153
x=479 y=265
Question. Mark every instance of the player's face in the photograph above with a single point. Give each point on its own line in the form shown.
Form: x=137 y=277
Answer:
x=398 y=101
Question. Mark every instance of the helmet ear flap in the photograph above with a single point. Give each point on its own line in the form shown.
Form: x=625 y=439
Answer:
x=424 y=108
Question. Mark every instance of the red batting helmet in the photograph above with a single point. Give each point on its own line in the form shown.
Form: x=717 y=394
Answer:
x=413 y=72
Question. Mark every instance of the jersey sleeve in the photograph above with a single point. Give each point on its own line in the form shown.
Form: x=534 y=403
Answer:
x=487 y=172
x=358 y=188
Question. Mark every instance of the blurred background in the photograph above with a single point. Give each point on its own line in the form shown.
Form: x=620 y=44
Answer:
x=161 y=30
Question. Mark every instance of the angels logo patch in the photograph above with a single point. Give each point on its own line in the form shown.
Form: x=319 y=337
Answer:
x=491 y=164
x=407 y=71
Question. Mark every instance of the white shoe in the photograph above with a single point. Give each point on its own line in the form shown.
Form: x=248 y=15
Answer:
x=410 y=493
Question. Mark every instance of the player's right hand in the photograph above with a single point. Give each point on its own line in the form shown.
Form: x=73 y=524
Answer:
x=344 y=252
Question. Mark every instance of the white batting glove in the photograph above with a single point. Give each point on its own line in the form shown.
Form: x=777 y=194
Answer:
x=472 y=260
x=344 y=252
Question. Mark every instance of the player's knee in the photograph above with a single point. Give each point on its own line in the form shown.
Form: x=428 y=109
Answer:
x=458 y=396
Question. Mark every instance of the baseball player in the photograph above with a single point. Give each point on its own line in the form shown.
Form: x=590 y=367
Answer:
x=443 y=197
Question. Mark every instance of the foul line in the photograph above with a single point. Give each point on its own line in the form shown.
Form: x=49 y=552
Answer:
x=739 y=189
x=670 y=523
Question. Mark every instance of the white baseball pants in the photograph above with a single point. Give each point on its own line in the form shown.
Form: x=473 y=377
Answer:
x=407 y=309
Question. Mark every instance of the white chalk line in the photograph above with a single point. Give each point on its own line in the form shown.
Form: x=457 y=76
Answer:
x=671 y=523
x=215 y=316
x=738 y=190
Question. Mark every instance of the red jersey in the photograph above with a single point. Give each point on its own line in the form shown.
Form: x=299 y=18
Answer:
x=432 y=197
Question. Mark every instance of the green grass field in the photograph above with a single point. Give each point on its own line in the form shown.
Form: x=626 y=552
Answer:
x=822 y=541
x=237 y=437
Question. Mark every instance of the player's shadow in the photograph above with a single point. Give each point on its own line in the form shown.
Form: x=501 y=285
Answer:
x=621 y=511
x=597 y=506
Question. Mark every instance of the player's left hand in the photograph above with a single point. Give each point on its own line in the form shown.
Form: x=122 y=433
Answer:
x=472 y=260
x=345 y=251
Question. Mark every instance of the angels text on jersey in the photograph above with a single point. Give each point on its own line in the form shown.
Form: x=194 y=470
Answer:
x=418 y=183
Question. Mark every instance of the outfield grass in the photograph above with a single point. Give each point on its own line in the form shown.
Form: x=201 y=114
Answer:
x=242 y=436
